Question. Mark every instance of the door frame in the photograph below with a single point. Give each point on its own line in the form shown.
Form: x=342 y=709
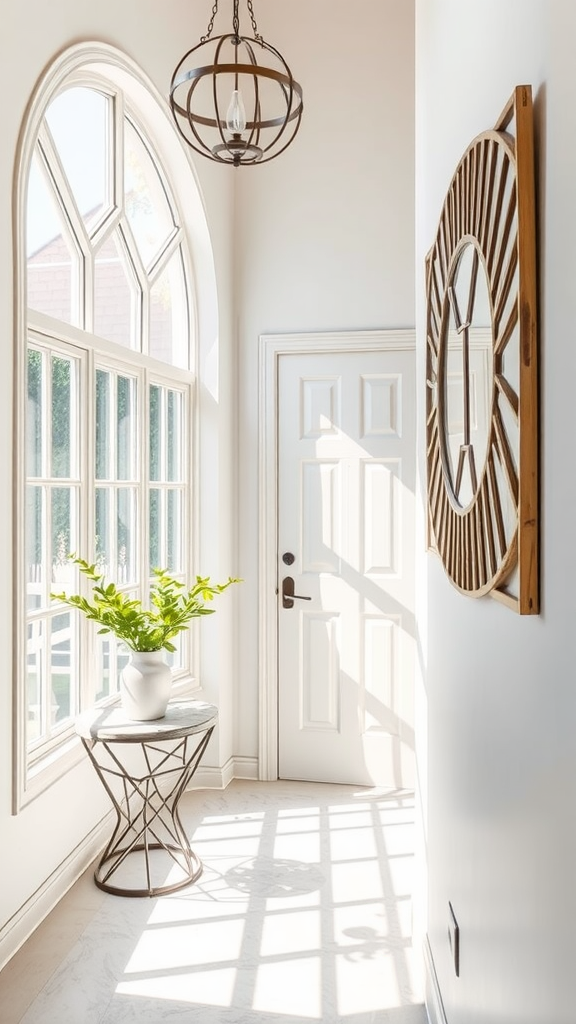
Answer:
x=271 y=347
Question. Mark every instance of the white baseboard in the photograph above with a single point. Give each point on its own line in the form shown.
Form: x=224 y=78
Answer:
x=245 y=768
x=21 y=925
x=219 y=778
x=434 y=1004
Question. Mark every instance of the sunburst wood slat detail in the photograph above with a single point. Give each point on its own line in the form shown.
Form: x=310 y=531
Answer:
x=479 y=188
x=507 y=390
x=467 y=197
x=435 y=308
x=443 y=245
x=504 y=338
x=432 y=418
x=505 y=287
x=474 y=159
x=502 y=447
x=496 y=506
x=484 y=228
x=491 y=560
x=503 y=240
x=444 y=522
x=481 y=543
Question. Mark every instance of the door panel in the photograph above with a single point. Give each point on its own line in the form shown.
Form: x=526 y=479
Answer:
x=346 y=450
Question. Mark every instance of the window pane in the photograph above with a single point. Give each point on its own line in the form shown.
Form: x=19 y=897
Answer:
x=103 y=521
x=155 y=529
x=34 y=410
x=62 y=657
x=52 y=268
x=111 y=659
x=122 y=659
x=115 y=293
x=79 y=122
x=34 y=680
x=169 y=334
x=146 y=203
x=174 y=531
x=62 y=416
x=176 y=658
x=63 y=534
x=34 y=545
x=174 y=454
x=125 y=429
x=155 y=432
x=126 y=534
x=103 y=673
x=103 y=454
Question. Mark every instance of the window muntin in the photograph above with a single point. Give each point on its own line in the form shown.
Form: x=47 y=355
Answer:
x=54 y=384
x=169 y=313
x=146 y=201
x=117 y=474
x=84 y=152
x=52 y=257
x=87 y=458
x=117 y=294
x=167 y=477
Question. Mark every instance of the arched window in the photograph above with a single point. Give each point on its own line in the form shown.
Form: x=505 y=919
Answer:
x=105 y=393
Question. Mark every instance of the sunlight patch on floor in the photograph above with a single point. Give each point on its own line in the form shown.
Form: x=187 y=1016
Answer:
x=302 y=914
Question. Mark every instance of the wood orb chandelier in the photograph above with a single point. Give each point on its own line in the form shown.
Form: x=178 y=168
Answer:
x=233 y=96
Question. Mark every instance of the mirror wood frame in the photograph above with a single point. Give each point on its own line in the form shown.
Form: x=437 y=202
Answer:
x=490 y=203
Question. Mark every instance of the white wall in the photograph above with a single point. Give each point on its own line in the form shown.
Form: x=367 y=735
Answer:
x=34 y=843
x=501 y=692
x=325 y=234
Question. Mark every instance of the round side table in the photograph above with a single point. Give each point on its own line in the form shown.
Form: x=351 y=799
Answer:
x=145 y=767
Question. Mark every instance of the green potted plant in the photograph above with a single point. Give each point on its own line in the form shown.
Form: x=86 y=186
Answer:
x=148 y=632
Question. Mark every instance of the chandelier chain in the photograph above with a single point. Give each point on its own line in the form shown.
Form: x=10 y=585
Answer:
x=205 y=38
x=253 y=20
x=235 y=22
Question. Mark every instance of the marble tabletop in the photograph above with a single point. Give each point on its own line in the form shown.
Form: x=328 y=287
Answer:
x=182 y=718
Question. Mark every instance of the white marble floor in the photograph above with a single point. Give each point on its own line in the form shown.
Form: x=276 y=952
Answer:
x=302 y=915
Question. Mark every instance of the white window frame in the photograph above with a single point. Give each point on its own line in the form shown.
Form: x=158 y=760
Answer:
x=78 y=64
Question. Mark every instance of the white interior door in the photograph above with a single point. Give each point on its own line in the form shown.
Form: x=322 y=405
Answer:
x=346 y=480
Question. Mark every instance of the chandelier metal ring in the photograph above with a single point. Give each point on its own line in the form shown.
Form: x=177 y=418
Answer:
x=219 y=69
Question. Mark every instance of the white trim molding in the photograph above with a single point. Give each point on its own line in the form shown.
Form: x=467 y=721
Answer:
x=434 y=1004
x=24 y=922
x=207 y=777
x=271 y=347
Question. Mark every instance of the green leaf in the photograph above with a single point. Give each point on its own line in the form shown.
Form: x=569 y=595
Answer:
x=139 y=628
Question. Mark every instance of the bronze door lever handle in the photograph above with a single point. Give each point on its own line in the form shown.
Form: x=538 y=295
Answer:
x=288 y=595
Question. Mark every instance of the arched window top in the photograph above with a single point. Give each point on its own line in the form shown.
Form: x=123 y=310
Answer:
x=106 y=251
x=95 y=108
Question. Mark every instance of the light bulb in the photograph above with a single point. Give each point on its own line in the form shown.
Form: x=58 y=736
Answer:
x=236 y=115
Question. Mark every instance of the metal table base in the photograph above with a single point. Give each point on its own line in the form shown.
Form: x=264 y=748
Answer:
x=145 y=767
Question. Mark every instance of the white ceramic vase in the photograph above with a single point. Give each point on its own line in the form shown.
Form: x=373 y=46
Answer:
x=145 y=685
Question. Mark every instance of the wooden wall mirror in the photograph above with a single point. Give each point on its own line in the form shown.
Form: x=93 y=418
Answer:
x=481 y=374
